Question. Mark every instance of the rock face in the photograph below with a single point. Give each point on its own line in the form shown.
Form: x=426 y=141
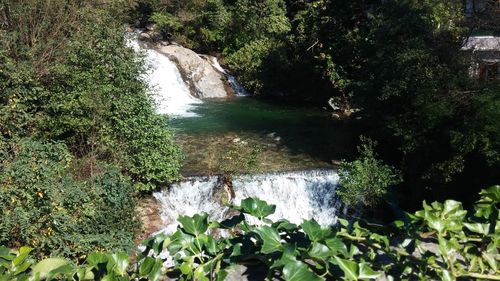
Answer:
x=204 y=79
x=149 y=212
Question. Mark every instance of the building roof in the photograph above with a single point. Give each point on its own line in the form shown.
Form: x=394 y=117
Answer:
x=482 y=43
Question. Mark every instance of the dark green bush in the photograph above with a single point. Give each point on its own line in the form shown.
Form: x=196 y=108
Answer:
x=45 y=207
x=364 y=181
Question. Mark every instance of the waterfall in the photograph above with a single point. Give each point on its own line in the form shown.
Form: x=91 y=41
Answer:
x=297 y=196
x=171 y=94
x=238 y=89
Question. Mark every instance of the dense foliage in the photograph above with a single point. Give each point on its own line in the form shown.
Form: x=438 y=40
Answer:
x=443 y=241
x=79 y=136
x=45 y=207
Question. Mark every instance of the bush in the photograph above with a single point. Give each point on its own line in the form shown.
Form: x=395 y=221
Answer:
x=364 y=181
x=45 y=207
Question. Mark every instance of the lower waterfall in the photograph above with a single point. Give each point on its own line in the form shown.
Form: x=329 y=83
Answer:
x=297 y=196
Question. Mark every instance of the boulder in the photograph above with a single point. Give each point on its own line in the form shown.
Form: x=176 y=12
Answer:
x=150 y=36
x=204 y=79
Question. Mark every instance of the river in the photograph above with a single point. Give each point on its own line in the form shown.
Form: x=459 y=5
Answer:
x=292 y=163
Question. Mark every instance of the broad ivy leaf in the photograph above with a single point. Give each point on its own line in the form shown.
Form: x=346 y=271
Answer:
x=490 y=259
x=211 y=245
x=85 y=274
x=349 y=268
x=21 y=257
x=195 y=225
x=44 y=267
x=270 y=238
x=320 y=251
x=289 y=255
x=365 y=272
x=180 y=241
x=61 y=271
x=481 y=228
x=299 y=271
x=452 y=208
x=120 y=262
x=256 y=207
x=337 y=245
x=96 y=258
x=314 y=231
x=284 y=225
x=22 y=267
x=492 y=193
x=151 y=268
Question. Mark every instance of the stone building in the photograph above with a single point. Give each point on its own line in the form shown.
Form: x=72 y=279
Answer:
x=484 y=50
x=485 y=56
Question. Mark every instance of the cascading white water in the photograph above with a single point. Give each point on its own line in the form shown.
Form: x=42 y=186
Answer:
x=297 y=196
x=172 y=95
x=238 y=89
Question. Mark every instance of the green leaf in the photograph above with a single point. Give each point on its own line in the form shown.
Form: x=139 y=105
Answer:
x=344 y=222
x=299 y=271
x=320 y=251
x=180 y=241
x=481 y=228
x=5 y=253
x=120 y=262
x=155 y=272
x=256 y=207
x=284 y=225
x=492 y=193
x=210 y=245
x=146 y=266
x=365 y=272
x=447 y=276
x=195 y=225
x=22 y=267
x=490 y=259
x=337 y=245
x=96 y=258
x=314 y=231
x=270 y=238
x=46 y=266
x=21 y=257
x=349 y=268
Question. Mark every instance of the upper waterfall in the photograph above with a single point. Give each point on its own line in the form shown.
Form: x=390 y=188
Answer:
x=172 y=95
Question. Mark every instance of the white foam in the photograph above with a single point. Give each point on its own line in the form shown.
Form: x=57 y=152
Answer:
x=297 y=195
x=171 y=94
x=238 y=89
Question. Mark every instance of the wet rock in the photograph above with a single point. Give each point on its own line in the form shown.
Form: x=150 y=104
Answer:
x=203 y=78
x=149 y=211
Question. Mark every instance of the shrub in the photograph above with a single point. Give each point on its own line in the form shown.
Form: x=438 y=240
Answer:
x=43 y=206
x=365 y=180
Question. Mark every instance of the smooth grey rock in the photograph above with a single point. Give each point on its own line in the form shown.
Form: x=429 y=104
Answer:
x=204 y=80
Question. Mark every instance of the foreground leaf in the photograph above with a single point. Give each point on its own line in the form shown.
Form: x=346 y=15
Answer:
x=270 y=238
x=299 y=271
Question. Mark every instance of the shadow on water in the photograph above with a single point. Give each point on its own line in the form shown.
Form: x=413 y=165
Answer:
x=301 y=130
